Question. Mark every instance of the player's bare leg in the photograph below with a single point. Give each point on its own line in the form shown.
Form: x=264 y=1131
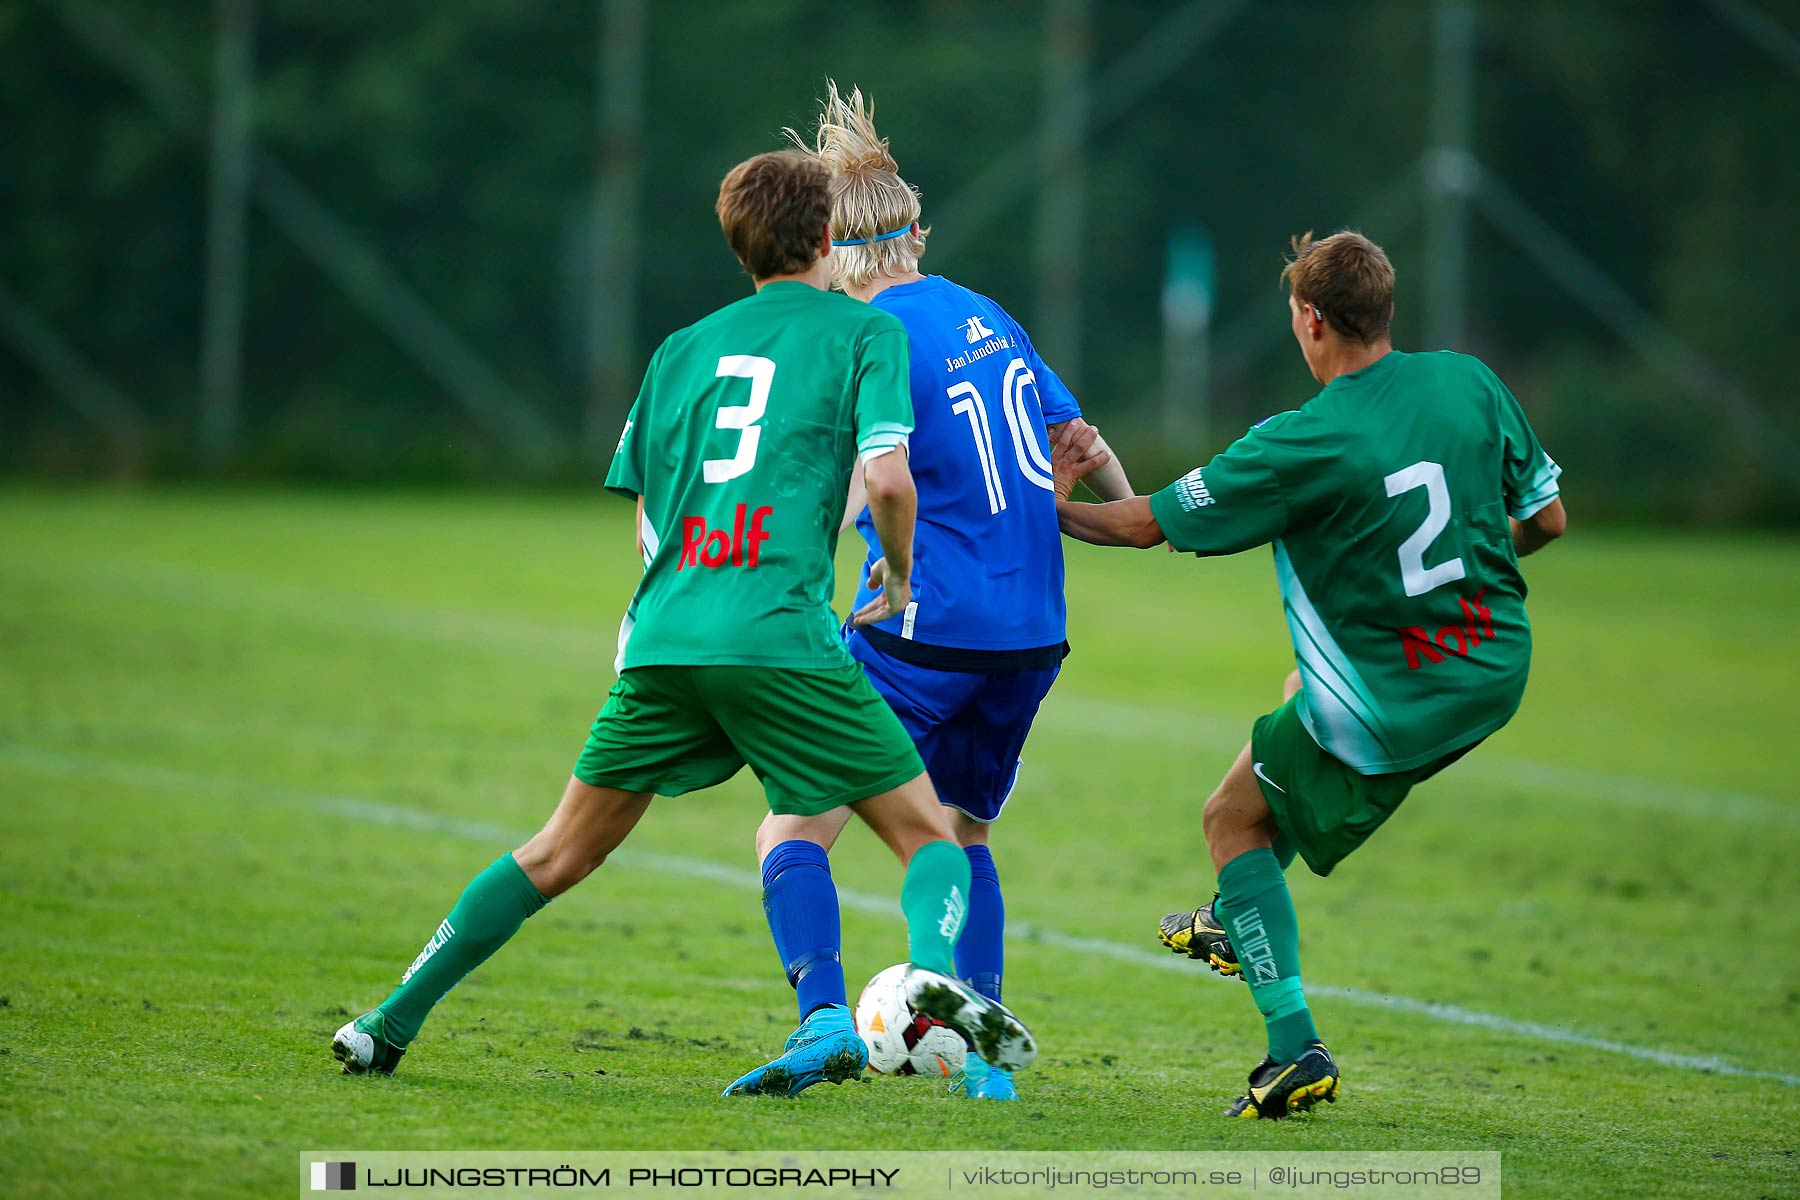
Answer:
x=800 y=900
x=1250 y=928
x=1235 y=819
x=588 y=824
x=801 y=903
x=826 y=1047
x=822 y=830
x=1238 y=811
x=934 y=898
x=902 y=828
x=1254 y=908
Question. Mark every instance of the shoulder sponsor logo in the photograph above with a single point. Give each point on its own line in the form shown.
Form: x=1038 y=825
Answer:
x=974 y=329
x=1190 y=489
x=991 y=343
x=1257 y=767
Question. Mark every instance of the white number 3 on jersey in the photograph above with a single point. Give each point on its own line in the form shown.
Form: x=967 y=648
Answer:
x=744 y=417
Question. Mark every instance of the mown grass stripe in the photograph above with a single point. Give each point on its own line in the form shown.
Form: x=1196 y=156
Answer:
x=373 y=812
x=1163 y=722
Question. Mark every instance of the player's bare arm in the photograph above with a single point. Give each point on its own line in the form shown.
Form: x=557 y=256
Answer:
x=893 y=505
x=1078 y=453
x=1107 y=480
x=1115 y=523
x=1540 y=529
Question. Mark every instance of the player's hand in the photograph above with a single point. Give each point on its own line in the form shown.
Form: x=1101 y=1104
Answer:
x=1076 y=454
x=892 y=594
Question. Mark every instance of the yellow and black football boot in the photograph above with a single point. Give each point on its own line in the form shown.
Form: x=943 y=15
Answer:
x=1277 y=1090
x=1199 y=934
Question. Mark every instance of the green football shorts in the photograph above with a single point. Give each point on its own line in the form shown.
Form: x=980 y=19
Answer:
x=1326 y=808
x=815 y=738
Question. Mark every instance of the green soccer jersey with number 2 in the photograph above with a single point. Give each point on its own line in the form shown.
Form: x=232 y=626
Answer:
x=1386 y=497
x=741 y=443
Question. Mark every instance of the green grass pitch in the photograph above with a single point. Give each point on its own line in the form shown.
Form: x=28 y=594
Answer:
x=252 y=745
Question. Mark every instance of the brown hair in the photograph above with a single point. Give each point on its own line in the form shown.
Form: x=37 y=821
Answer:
x=1347 y=278
x=774 y=208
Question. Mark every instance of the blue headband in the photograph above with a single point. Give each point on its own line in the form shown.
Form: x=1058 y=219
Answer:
x=880 y=237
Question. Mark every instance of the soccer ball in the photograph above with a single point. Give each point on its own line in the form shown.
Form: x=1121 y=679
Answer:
x=902 y=1041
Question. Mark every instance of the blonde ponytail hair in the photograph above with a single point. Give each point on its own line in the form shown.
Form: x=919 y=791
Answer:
x=868 y=197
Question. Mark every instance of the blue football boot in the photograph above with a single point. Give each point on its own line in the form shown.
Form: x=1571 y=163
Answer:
x=979 y=1081
x=826 y=1047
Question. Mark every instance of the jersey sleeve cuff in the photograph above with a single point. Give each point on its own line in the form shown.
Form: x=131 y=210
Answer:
x=882 y=438
x=873 y=452
x=1544 y=489
x=1524 y=510
x=1167 y=511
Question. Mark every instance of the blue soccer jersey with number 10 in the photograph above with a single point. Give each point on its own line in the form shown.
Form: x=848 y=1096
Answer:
x=988 y=565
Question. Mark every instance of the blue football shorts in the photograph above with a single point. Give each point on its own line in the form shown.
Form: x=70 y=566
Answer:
x=969 y=728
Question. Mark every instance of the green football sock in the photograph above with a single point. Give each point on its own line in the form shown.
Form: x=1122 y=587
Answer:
x=1259 y=916
x=935 y=899
x=490 y=911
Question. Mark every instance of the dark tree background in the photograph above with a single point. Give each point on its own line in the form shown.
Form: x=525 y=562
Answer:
x=457 y=140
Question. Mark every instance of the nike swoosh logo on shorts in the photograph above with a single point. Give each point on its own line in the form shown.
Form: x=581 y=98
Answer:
x=1257 y=767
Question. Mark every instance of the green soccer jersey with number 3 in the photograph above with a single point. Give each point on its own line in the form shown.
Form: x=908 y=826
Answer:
x=1386 y=497
x=741 y=443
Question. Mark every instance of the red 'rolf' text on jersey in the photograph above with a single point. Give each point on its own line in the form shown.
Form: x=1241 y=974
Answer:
x=1422 y=647
x=741 y=547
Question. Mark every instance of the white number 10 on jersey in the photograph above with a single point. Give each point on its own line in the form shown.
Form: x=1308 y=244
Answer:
x=1032 y=463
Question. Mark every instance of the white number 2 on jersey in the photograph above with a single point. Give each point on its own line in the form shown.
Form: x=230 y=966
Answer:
x=1415 y=576
x=744 y=417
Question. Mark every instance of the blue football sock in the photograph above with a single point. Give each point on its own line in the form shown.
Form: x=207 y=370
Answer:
x=980 y=955
x=802 y=906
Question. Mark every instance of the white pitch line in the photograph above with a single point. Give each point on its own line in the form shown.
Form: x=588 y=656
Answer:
x=396 y=816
